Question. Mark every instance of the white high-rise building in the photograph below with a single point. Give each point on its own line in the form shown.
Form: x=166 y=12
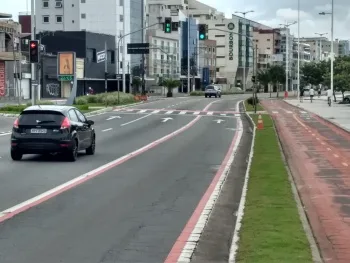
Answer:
x=104 y=16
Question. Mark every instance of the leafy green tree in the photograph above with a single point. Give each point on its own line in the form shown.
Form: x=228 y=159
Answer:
x=277 y=75
x=312 y=73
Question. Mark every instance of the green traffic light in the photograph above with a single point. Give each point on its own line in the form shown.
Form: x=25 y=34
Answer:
x=202 y=36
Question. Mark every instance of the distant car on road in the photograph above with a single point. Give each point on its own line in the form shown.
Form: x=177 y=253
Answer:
x=212 y=90
x=52 y=129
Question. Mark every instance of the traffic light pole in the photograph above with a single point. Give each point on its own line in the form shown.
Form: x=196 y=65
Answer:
x=118 y=54
x=33 y=38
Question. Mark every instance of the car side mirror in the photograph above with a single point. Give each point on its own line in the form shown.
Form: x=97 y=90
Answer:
x=90 y=122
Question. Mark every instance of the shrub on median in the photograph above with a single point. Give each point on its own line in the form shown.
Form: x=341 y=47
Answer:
x=197 y=93
x=108 y=99
x=252 y=101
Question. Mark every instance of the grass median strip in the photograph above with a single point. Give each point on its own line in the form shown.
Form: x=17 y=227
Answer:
x=271 y=231
x=250 y=107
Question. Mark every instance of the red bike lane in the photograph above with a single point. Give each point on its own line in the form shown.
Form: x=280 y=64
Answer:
x=318 y=154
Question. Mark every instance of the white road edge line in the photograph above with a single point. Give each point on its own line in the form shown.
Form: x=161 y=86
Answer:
x=191 y=243
x=240 y=212
x=136 y=119
x=5 y=133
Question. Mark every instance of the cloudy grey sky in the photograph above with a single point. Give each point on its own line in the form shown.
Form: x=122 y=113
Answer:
x=271 y=12
x=275 y=12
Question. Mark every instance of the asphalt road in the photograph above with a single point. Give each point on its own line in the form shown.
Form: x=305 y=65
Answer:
x=132 y=212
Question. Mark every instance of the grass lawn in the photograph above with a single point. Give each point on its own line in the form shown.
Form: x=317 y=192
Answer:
x=271 y=228
x=251 y=107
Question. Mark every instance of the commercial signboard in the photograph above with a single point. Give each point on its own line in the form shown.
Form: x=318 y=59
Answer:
x=66 y=66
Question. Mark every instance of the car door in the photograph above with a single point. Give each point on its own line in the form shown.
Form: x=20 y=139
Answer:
x=87 y=128
x=79 y=127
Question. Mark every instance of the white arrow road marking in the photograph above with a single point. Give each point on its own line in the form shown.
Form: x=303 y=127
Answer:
x=166 y=119
x=210 y=113
x=113 y=117
x=219 y=121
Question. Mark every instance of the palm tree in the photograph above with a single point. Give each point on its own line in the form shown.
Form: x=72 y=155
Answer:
x=136 y=82
x=264 y=78
x=170 y=84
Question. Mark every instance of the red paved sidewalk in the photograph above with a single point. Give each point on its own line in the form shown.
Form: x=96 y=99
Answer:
x=318 y=154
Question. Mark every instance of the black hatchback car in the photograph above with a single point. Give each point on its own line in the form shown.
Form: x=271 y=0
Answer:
x=45 y=129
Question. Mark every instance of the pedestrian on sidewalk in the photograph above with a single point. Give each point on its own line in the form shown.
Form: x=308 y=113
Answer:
x=301 y=94
x=329 y=96
x=312 y=94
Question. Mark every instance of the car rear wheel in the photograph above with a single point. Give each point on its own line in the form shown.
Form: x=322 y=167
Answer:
x=73 y=153
x=91 y=149
x=16 y=155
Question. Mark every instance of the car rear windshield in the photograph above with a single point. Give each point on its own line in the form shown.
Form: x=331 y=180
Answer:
x=209 y=87
x=50 y=118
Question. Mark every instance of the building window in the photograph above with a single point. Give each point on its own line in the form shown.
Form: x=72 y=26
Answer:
x=45 y=4
x=121 y=2
x=83 y=16
x=83 y=1
x=59 y=19
x=46 y=19
x=121 y=18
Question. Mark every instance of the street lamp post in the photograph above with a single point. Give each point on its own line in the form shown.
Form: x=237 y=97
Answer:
x=286 y=26
x=320 y=43
x=332 y=44
x=298 y=73
x=245 y=47
x=118 y=53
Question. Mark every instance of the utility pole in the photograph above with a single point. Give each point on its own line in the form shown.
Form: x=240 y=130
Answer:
x=143 y=83
x=286 y=27
x=106 y=68
x=124 y=47
x=33 y=38
x=188 y=51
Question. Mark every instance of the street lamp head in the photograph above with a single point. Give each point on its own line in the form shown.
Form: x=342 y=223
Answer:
x=322 y=13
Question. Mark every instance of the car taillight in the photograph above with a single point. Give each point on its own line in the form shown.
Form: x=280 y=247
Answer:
x=65 y=124
x=16 y=123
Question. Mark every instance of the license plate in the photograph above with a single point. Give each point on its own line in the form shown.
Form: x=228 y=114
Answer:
x=38 y=131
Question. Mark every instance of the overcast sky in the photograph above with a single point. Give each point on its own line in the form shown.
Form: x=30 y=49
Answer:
x=272 y=13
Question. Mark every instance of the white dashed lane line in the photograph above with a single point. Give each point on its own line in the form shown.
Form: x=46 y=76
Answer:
x=106 y=130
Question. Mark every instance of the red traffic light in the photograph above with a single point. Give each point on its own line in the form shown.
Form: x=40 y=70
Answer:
x=33 y=45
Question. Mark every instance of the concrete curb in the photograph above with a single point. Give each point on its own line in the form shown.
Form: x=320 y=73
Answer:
x=240 y=212
x=318 y=116
x=316 y=255
x=89 y=114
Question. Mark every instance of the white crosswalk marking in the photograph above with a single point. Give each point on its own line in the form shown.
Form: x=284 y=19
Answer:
x=275 y=112
x=210 y=113
x=288 y=111
x=223 y=114
x=169 y=112
x=303 y=112
x=182 y=112
x=156 y=111
x=237 y=115
x=142 y=111
x=130 y=110
x=196 y=112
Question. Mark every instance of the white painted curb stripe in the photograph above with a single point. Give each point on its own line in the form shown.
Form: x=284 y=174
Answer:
x=192 y=242
x=240 y=212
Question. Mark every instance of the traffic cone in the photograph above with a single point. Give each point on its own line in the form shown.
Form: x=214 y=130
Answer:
x=260 y=125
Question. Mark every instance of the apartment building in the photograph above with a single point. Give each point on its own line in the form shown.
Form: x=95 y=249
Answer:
x=320 y=47
x=104 y=17
x=268 y=45
x=207 y=61
x=344 y=47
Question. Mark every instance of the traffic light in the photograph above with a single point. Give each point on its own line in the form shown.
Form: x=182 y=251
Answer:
x=167 y=25
x=202 y=28
x=34 y=51
x=253 y=79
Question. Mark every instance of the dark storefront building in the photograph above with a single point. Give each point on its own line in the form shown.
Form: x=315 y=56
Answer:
x=86 y=45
